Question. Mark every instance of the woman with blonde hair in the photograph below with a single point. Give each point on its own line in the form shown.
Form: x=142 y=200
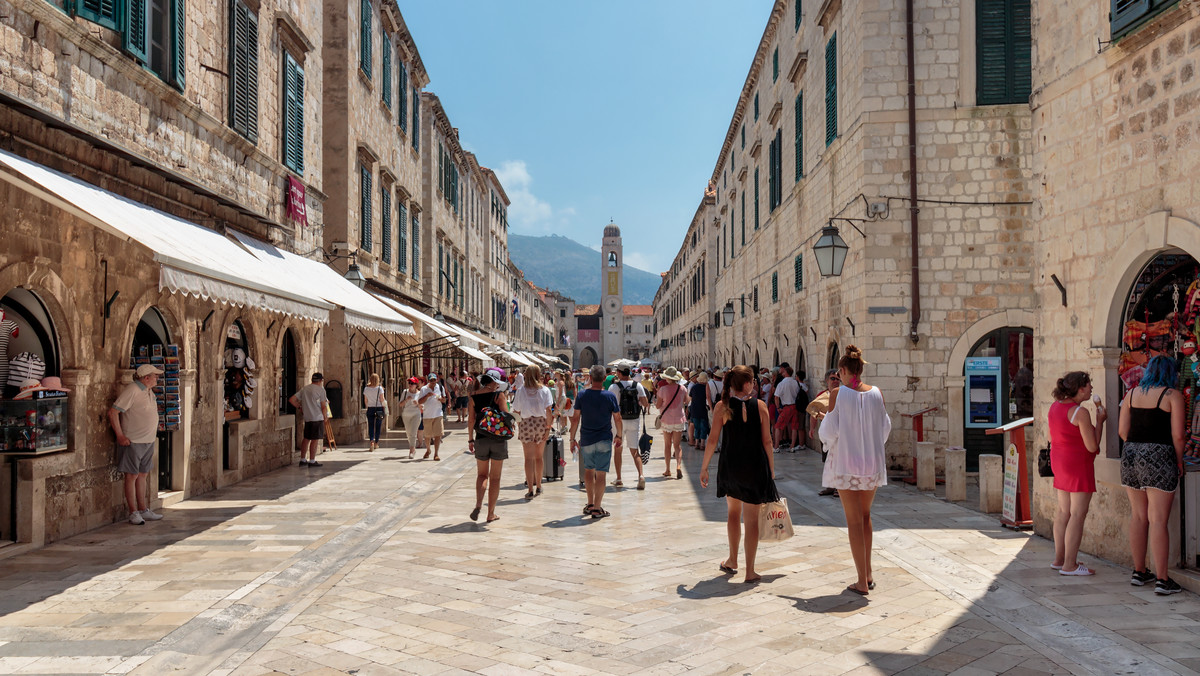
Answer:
x=746 y=470
x=533 y=402
x=855 y=430
x=410 y=413
x=376 y=401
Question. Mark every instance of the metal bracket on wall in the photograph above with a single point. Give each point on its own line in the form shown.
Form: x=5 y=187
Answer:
x=813 y=331
x=852 y=327
x=271 y=326
x=1062 y=289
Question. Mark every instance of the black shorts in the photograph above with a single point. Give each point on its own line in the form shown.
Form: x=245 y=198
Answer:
x=314 y=429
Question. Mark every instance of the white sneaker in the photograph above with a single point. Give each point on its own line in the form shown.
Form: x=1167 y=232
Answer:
x=149 y=515
x=136 y=519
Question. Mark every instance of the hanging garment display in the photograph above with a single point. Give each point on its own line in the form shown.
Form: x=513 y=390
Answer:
x=25 y=366
x=8 y=331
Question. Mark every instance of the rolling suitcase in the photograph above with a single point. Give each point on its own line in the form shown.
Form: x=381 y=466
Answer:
x=554 y=462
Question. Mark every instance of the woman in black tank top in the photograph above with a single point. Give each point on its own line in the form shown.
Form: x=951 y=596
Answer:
x=1152 y=426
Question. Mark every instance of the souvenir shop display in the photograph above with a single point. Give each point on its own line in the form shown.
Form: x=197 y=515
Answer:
x=165 y=357
x=8 y=331
x=240 y=382
x=37 y=419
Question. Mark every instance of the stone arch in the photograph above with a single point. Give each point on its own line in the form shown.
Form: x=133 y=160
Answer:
x=955 y=380
x=588 y=358
x=166 y=305
x=60 y=303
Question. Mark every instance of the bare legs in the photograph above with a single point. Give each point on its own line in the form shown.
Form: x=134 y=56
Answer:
x=1068 y=528
x=594 y=481
x=487 y=475
x=738 y=513
x=672 y=440
x=534 y=464
x=1149 y=511
x=135 y=492
x=857 y=505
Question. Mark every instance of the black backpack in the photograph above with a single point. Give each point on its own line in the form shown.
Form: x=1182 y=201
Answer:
x=631 y=408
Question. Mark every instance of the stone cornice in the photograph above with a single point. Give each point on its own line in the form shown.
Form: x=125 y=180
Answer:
x=798 y=68
x=828 y=11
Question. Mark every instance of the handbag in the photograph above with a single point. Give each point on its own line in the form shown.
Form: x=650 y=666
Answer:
x=494 y=423
x=1044 y=468
x=645 y=442
x=774 y=522
x=658 y=418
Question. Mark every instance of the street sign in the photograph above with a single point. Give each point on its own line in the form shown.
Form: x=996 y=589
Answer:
x=1012 y=467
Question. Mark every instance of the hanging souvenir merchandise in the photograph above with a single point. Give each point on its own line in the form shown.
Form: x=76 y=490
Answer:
x=239 y=375
x=8 y=331
x=165 y=357
x=25 y=366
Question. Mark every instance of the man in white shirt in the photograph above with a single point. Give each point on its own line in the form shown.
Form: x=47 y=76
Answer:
x=311 y=400
x=787 y=424
x=629 y=417
x=134 y=419
x=433 y=398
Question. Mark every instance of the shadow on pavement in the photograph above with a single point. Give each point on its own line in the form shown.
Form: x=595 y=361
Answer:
x=464 y=527
x=572 y=522
x=847 y=601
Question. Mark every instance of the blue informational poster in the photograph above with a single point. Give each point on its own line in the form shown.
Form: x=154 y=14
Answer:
x=982 y=406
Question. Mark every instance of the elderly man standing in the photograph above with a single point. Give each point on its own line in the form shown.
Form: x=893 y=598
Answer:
x=134 y=419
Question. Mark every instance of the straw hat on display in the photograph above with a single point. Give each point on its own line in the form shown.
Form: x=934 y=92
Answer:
x=28 y=387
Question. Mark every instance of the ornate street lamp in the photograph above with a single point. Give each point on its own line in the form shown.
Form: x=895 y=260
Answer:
x=727 y=314
x=354 y=275
x=830 y=251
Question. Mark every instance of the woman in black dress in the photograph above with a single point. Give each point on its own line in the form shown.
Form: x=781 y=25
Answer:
x=746 y=470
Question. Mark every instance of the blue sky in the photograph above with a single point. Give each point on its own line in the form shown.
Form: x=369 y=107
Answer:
x=591 y=111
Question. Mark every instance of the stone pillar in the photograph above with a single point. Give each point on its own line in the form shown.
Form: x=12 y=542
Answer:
x=926 y=469
x=991 y=483
x=956 y=474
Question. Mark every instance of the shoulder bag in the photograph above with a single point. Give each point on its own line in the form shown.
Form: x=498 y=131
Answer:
x=658 y=418
x=645 y=442
x=495 y=423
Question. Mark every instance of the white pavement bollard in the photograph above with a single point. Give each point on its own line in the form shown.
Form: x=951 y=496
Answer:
x=956 y=474
x=926 y=470
x=991 y=483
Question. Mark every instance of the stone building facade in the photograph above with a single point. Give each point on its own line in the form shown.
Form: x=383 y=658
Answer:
x=819 y=143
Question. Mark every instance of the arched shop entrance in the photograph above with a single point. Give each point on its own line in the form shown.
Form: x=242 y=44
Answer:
x=152 y=345
x=835 y=355
x=239 y=383
x=998 y=390
x=289 y=369
x=587 y=358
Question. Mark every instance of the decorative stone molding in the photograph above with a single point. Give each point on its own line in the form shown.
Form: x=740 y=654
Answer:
x=294 y=38
x=798 y=68
x=827 y=13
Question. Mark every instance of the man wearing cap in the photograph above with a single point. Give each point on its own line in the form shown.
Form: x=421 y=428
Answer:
x=632 y=433
x=433 y=398
x=134 y=419
x=311 y=400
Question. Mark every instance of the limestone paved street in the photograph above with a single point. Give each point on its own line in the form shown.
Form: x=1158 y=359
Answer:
x=369 y=565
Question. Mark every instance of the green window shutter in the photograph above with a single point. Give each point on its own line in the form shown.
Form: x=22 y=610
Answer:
x=243 y=70
x=743 y=219
x=1003 y=52
x=1021 y=71
x=441 y=270
x=416 y=125
x=402 y=92
x=798 y=269
x=365 y=214
x=831 y=122
x=775 y=65
x=756 y=299
x=774 y=287
x=798 y=10
x=385 y=71
x=402 y=237
x=178 y=78
x=103 y=12
x=293 y=115
x=416 y=246
x=135 y=38
x=364 y=38
x=743 y=137
x=799 y=132
x=385 y=232
x=1124 y=15
x=756 y=198
x=755 y=107
x=771 y=177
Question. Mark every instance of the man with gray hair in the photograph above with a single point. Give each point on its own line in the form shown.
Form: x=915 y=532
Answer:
x=597 y=415
x=134 y=420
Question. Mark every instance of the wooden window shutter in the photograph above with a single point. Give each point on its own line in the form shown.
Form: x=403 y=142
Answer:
x=831 y=123
x=756 y=106
x=402 y=237
x=1003 y=52
x=775 y=65
x=243 y=70
x=103 y=12
x=798 y=11
x=771 y=177
x=416 y=246
x=798 y=269
x=136 y=38
x=774 y=287
x=365 y=212
x=385 y=71
x=364 y=38
x=1124 y=14
x=293 y=115
x=416 y=121
x=799 y=132
x=402 y=104
x=756 y=299
x=178 y=78
x=385 y=230
x=743 y=219
x=756 y=198
x=441 y=270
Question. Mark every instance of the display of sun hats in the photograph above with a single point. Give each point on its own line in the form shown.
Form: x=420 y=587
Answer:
x=54 y=383
x=146 y=369
x=25 y=366
x=28 y=387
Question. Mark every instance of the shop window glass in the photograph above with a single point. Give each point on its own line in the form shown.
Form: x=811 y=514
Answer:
x=26 y=329
x=289 y=367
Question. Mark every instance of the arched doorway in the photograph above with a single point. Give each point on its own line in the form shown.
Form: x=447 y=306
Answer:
x=801 y=367
x=26 y=329
x=289 y=377
x=152 y=345
x=565 y=358
x=999 y=388
x=774 y=358
x=588 y=358
x=835 y=355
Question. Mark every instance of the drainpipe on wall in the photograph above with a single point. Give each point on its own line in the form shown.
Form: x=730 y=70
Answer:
x=912 y=175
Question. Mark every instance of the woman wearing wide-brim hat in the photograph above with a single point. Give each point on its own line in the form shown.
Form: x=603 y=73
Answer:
x=671 y=400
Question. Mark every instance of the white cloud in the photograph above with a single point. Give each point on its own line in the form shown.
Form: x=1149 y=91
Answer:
x=527 y=212
x=642 y=262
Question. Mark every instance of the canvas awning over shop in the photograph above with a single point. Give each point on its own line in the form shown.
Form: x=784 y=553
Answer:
x=361 y=309
x=193 y=260
x=451 y=333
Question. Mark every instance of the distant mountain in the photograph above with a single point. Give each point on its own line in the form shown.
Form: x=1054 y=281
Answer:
x=564 y=265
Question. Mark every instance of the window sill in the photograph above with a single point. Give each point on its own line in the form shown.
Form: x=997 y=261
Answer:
x=366 y=79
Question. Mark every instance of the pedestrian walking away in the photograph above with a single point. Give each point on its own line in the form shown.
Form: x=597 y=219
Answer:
x=533 y=403
x=856 y=429
x=671 y=402
x=1074 y=445
x=1152 y=426
x=787 y=425
x=375 y=400
x=746 y=470
x=698 y=410
x=410 y=412
x=816 y=410
x=433 y=399
x=134 y=420
x=631 y=399
x=592 y=436
x=311 y=400
x=490 y=453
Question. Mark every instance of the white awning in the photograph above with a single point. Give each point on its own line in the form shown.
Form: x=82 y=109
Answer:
x=194 y=260
x=452 y=333
x=476 y=354
x=361 y=309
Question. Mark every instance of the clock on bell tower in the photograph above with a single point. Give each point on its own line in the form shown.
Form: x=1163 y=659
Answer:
x=612 y=326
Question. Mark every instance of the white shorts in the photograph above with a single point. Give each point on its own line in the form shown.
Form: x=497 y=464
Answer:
x=678 y=427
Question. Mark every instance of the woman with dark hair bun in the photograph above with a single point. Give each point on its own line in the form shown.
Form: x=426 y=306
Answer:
x=1074 y=443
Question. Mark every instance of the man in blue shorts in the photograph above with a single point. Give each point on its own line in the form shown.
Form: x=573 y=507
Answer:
x=600 y=414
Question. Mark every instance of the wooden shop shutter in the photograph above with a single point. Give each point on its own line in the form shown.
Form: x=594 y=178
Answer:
x=1003 y=51
x=402 y=237
x=135 y=39
x=831 y=123
x=293 y=114
x=243 y=70
x=365 y=212
x=385 y=71
x=364 y=38
x=799 y=135
x=103 y=12
x=385 y=234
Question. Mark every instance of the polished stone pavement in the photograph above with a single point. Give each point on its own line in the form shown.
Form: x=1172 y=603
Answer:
x=369 y=565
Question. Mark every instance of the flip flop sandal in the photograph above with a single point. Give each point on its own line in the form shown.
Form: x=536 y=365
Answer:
x=856 y=590
x=426 y=457
x=727 y=570
x=494 y=518
x=475 y=514
x=1079 y=570
x=1055 y=566
x=599 y=513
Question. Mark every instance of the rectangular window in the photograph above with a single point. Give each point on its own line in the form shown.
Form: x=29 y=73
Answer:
x=778 y=170
x=441 y=270
x=755 y=106
x=243 y=70
x=772 y=155
x=364 y=221
x=799 y=134
x=756 y=198
x=293 y=114
x=1003 y=52
x=416 y=246
x=775 y=65
x=756 y=299
x=743 y=137
x=1125 y=16
x=402 y=93
x=364 y=38
x=402 y=237
x=798 y=269
x=385 y=230
x=774 y=287
x=416 y=122
x=798 y=10
x=154 y=33
x=385 y=71
x=743 y=219
x=831 y=122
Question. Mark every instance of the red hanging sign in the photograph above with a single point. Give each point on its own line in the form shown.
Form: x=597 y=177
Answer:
x=297 y=209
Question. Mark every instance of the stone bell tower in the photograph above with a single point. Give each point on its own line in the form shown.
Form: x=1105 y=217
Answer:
x=612 y=282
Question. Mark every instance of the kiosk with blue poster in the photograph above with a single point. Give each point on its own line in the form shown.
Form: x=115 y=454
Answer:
x=983 y=392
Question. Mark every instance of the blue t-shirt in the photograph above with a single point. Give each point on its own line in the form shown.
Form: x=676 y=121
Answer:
x=596 y=408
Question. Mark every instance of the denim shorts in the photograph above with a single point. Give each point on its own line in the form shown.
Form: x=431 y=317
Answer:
x=597 y=456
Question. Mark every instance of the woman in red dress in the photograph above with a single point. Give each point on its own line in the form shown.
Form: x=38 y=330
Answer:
x=1074 y=444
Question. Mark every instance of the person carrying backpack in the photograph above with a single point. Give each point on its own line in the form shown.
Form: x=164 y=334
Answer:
x=631 y=397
